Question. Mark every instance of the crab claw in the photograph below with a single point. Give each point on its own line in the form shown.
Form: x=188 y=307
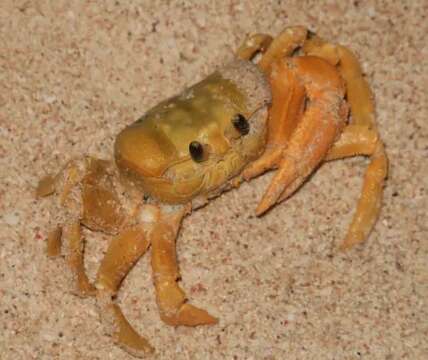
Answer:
x=322 y=119
x=283 y=178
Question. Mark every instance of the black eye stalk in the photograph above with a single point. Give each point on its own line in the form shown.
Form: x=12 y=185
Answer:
x=241 y=124
x=196 y=151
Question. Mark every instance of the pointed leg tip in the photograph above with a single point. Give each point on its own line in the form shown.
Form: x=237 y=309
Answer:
x=264 y=205
x=118 y=327
x=142 y=351
x=85 y=292
x=192 y=316
x=352 y=240
x=211 y=320
x=344 y=247
x=260 y=210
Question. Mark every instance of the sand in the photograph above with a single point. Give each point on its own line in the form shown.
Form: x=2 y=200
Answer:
x=73 y=73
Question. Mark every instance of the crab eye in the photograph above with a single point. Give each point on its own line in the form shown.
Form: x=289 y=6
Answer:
x=241 y=124
x=196 y=151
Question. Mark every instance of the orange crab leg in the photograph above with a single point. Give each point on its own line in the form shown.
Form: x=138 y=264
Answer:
x=74 y=254
x=322 y=121
x=123 y=252
x=283 y=46
x=172 y=302
x=362 y=109
x=358 y=90
x=54 y=243
x=355 y=140
x=70 y=232
x=370 y=201
x=359 y=138
x=316 y=46
x=252 y=45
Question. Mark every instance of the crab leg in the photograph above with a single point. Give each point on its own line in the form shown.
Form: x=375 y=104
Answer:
x=283 y=46
x=363 y=114
x=70 y=232
x=54 y=242
x=252 y=45
x=74 y=246
x=358 y=91
x=355 y=139
x=123 y=252
x=272 y=49
x=322 y=121
x=316 y=46
x=369 y=204
x=172 y=302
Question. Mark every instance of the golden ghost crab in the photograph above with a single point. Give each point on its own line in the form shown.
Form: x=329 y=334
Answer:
x=302 y=101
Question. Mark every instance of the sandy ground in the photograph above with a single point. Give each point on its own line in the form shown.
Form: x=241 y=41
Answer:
x=73 y=73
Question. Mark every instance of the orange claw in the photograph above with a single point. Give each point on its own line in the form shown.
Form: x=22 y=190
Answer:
x=322 y=121
x=288 y=98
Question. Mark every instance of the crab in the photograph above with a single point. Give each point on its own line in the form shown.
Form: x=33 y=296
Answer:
x=288 y=103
